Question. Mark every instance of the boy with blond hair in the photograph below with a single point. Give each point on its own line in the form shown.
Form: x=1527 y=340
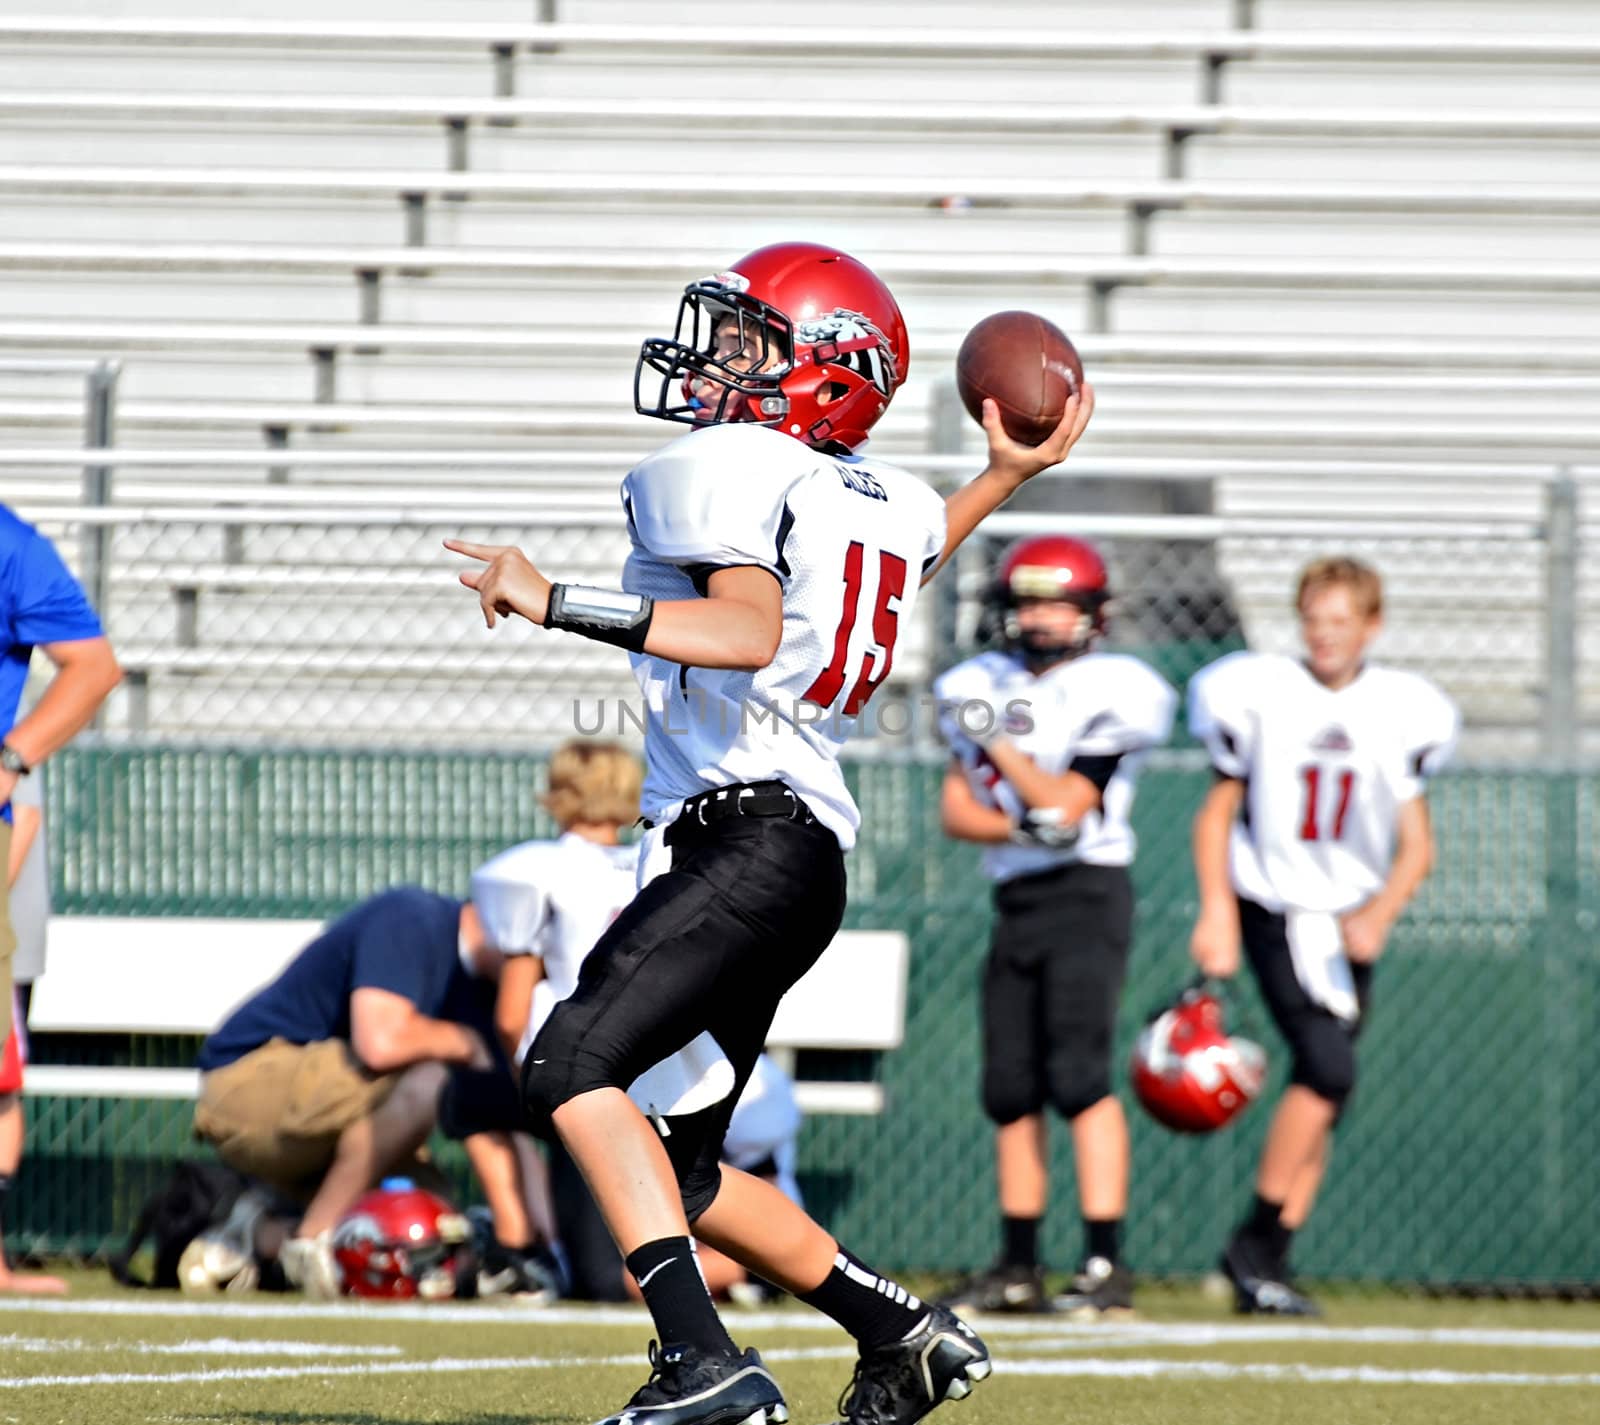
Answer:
x=1312 y=840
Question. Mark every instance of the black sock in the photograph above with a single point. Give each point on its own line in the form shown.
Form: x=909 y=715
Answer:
x=1019 y=1241
x=1281 y=1245
x=669 y=1277
x=871 y=1308
x=1102 y=1237
x=1265 y=1225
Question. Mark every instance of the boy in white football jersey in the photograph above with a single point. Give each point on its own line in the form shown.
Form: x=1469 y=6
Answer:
x=1310 y=843
x=1048 y=737
x=772 y=566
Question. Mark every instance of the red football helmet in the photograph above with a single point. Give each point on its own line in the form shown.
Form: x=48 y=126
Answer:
x=402 y=1241
x=1188 y=1072
x=821 y=348
x=1050 y=566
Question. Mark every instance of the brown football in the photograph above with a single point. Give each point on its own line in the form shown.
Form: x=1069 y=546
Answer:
x=1026 y=365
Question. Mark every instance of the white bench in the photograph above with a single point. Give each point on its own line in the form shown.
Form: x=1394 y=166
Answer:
x=110 y=974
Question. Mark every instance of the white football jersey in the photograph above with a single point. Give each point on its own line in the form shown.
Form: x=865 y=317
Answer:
x=1325 y=772
x=553 y=899
x=848 y=538
x=1095 y=705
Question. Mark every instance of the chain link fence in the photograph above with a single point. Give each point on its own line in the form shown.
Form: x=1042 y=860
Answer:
x=1469 y=1157
x=349 y=627
x=286 y=664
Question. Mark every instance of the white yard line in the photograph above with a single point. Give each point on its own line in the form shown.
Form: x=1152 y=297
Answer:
x=1321 y=1375
x=1116 y=1369
x=1035 y=1330
x=446 y=1366
x=215 y=1346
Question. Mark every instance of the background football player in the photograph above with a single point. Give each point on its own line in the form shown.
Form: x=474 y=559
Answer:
x=772 y=567
x=1047 y=737
x=1311 y=841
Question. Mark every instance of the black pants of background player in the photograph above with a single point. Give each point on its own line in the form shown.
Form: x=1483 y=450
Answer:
x=1322 y=1047
x=710 y=946
x=1051 y=986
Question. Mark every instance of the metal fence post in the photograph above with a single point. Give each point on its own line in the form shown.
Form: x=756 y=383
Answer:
x=1561 y=711
x=947 y=423
x=99 y=434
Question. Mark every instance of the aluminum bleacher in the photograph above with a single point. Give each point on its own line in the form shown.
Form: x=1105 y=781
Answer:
x=352 y=267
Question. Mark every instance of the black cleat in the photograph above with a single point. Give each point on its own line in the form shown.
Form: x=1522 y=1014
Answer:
x=901 y=1382
x=1101 y=1289
x=1000 y=1288
x=1260 y=1282
x=693 y=1387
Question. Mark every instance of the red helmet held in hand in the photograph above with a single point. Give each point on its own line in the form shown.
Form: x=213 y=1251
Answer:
x=1188 y=1072
x=798 y=336
x=402 y=1241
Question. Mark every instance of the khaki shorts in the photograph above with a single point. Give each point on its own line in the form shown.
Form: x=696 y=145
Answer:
x=277 y=1113
x=8 y=937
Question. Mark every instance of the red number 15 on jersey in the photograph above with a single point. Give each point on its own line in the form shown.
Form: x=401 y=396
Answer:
x=885 y=628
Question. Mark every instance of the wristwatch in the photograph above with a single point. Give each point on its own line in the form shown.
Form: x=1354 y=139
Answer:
x=11 y=760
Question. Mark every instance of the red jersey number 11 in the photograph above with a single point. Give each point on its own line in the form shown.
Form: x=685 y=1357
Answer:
x=1310 y=823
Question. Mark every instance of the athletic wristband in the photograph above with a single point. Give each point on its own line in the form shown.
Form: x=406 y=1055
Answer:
x=605 y=615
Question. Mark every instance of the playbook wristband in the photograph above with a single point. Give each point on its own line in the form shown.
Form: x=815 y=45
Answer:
x=605 y=615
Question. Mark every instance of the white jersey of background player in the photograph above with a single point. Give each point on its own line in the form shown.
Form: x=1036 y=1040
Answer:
x=1326 y=772
x=1092 y=706
x=550 y=901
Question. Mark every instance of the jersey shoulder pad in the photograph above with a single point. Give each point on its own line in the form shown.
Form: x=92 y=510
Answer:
x=1225 y=700
x=976 y=681
x=1128 y=703
x=717 y=496
x=511 y=893
x=1241 y=677
x=972 y=678
x=1429 y=716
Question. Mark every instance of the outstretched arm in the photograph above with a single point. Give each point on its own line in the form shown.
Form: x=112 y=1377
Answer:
x=737 y=625
x=1010 y=467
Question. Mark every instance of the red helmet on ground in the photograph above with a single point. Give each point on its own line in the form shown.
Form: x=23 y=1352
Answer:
x=1188 y=1072
x=402 y=1241
x=819 y=349
x=1050 y=566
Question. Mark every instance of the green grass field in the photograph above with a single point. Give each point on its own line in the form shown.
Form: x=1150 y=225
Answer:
x=109 y=1357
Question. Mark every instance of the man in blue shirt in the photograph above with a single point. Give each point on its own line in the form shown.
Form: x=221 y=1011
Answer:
x=41 y=605
x=328 y=1078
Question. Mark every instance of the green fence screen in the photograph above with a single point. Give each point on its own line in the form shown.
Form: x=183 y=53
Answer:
x=1471 y=1154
